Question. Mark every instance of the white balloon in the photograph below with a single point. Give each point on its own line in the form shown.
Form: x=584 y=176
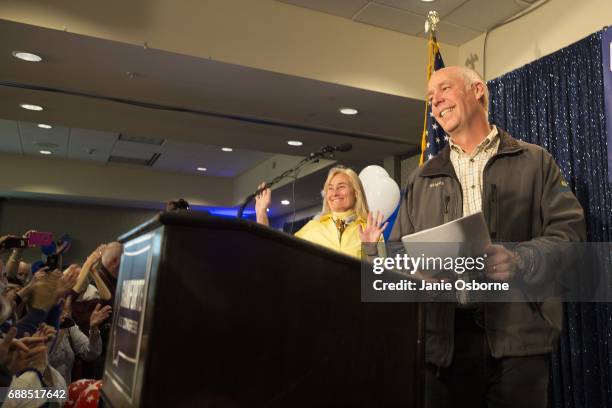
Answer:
x=371 y=174
x=382 y=192
x=373 y=171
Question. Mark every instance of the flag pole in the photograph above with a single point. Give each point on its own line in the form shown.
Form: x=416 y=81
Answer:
x=431 y=25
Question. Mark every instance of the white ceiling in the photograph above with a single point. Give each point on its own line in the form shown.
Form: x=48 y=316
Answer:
x=195 y=105
x=97 y=146
x=200 y=101
x=461 y=20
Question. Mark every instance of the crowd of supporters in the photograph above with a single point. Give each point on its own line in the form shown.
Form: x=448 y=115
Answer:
x=55 y=325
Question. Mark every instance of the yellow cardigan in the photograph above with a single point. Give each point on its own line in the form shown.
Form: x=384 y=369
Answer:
x=323 y=231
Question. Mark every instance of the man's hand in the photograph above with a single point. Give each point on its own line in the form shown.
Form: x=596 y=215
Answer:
x=501 y=264
x=99 y=315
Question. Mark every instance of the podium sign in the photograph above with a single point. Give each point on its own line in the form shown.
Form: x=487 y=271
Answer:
x=227 y=313
x=124 y=359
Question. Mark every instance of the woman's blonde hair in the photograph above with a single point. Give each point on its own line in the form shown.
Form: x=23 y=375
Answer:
x=361 y=203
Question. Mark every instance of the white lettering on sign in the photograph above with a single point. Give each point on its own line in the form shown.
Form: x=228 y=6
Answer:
x=132 y=294
x=128 y=324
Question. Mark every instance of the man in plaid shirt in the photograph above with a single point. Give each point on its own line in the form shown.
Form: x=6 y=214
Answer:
x=491 y=354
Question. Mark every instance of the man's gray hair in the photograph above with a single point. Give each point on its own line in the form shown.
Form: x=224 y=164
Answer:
x=472 y=77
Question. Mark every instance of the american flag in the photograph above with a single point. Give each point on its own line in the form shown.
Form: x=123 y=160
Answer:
x=434 y=139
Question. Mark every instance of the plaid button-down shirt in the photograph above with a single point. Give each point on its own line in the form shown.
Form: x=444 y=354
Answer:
x=469 y=168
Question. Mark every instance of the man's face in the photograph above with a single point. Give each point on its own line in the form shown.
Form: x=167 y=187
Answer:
x=453 y=104
x=340 y=195
x=111 y=257
x=23 y=271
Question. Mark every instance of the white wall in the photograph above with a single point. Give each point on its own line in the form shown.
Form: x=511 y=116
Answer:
x=263 y=34
x=88 y=225
x=556 y=24
x=51 y=176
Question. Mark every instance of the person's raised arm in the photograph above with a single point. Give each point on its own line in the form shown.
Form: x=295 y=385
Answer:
x=83 y=277
x=105 y=293
x=12 y=265
x=262 y=202
x=11 y=268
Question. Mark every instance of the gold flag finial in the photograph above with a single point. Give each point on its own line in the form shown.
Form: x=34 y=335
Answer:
x=433 y=18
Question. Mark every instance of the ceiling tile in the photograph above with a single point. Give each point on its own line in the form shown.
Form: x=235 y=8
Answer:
x=193 y=150
x=454 y=35
x=55 y=139
x=186 y=157
x=342 y=8
x=9 y=136
x=391 y=18
x=443 y=7
x=91 y=145
x=480 y=15
x=134 y=150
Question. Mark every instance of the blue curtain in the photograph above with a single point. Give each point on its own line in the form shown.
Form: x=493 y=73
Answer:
x=558 y=102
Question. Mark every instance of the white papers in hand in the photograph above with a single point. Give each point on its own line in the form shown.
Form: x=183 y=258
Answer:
x=465 y=236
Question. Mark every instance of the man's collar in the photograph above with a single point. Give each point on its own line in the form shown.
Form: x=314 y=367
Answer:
x=487 y=141
x=508 y=144
x=440 y=164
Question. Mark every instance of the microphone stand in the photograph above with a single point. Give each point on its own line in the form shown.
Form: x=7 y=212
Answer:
x=326 y=151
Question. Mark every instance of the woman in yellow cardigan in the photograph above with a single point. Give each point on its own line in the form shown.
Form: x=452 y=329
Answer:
x=345 y=221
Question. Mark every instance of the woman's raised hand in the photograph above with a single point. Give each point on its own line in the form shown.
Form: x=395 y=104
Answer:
x=262 y=202
x=373 y=228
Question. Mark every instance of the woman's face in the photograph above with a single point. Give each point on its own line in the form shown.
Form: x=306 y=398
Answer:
x=340 y=195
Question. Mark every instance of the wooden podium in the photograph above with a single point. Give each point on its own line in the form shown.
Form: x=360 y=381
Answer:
x=213 y=312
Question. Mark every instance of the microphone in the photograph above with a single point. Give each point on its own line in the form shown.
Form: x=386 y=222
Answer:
x=326 y=151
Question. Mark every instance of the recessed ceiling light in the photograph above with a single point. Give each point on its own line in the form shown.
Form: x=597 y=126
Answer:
x=44 y=126
x=27 y=56
x=31 y=107
x=201 y=169
x=45 y=152
x=349 y=111
x=294 y=143
x=285 y=202
x=227 y=149
x=428 y=1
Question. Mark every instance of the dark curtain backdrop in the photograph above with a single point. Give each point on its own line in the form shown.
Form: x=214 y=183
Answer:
x=558 y=102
